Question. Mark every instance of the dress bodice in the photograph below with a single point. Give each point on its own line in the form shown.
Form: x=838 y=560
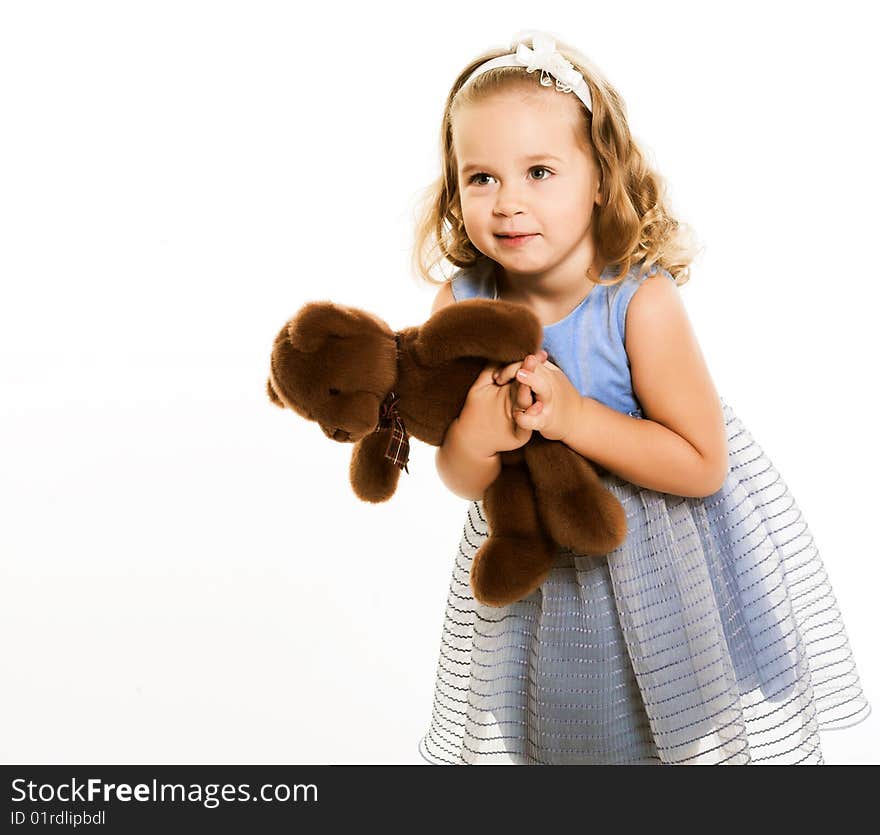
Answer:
x=588 y=343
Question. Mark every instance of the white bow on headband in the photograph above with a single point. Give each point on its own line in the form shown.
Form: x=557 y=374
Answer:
x=543 y=56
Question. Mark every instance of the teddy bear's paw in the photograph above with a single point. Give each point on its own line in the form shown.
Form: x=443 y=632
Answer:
x=505 y=570
x=372 y=474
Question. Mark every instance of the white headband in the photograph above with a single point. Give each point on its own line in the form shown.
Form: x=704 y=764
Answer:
x=543 y=56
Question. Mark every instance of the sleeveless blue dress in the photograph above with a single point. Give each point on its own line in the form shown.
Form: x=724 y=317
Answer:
x=710 y=636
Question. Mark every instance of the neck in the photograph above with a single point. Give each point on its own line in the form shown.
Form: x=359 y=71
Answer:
x=554 y=286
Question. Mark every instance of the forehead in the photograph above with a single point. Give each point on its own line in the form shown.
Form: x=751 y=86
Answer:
x=515 y=125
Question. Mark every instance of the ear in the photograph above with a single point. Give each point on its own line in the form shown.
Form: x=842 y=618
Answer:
x=498 y=330
x=373 y=476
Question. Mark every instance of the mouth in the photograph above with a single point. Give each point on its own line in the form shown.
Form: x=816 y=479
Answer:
x=515 y=240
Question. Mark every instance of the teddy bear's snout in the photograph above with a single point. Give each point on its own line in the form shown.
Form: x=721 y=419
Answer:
x=335 y=434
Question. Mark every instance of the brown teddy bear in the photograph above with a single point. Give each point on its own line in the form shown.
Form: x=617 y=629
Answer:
x=366 y=384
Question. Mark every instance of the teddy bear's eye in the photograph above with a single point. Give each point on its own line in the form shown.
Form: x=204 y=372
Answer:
x=334 y=391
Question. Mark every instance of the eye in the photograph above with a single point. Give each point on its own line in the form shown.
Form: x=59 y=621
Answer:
x=334 y=391
x=536 y=168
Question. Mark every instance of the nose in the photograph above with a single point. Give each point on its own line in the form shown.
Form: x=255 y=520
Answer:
x=509 y=200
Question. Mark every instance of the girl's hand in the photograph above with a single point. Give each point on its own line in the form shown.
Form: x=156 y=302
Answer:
x=506 y=373
x=558 y=401
x=487 y=417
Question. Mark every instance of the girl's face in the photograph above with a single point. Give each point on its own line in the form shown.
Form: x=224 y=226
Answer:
x=521 y=170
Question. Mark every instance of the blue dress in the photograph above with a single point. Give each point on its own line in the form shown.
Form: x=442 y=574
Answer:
x=710 y=636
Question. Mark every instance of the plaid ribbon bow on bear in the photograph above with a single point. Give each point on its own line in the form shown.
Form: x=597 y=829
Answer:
x=398 y=443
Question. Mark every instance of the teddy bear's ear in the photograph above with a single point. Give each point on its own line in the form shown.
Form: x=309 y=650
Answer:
x=373 y=476
x=317 y=322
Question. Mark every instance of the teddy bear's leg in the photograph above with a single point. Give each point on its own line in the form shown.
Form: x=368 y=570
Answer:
x=373 y=477
x=517 y=556
x=578 y=511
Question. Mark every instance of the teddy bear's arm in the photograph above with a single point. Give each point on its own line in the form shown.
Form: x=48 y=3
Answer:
x=498 y=331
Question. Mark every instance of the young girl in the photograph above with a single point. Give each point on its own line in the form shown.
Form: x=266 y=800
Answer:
x=711 y=635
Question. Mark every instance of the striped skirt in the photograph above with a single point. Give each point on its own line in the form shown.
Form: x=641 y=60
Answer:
x=710 y=636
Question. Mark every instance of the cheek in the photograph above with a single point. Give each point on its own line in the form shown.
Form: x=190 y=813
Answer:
x=470 y=212
x=574 y=210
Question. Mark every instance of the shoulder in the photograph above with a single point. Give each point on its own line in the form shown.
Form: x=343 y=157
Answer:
x=653 y=298
x=473 y=282
x=656 y=320
x=443 y=298
x=476 y=281
x=639 y=292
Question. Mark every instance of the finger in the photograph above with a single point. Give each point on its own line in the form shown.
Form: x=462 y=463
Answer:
x=529 y=418
x=536 y=380
x=485 y=376
x=523 y=396
x=533 y=409
x=506 y=373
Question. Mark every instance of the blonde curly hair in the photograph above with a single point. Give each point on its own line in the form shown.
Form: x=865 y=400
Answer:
x=633 y=222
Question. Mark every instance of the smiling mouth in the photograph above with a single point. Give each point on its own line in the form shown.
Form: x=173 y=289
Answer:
x=515 y=240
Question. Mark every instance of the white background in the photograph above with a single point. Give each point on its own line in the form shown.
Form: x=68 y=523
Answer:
x=186 y=574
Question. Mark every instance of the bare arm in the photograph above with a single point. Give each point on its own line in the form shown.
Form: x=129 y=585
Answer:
x=643 y=452
x=681 y=446
x=464 y=471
